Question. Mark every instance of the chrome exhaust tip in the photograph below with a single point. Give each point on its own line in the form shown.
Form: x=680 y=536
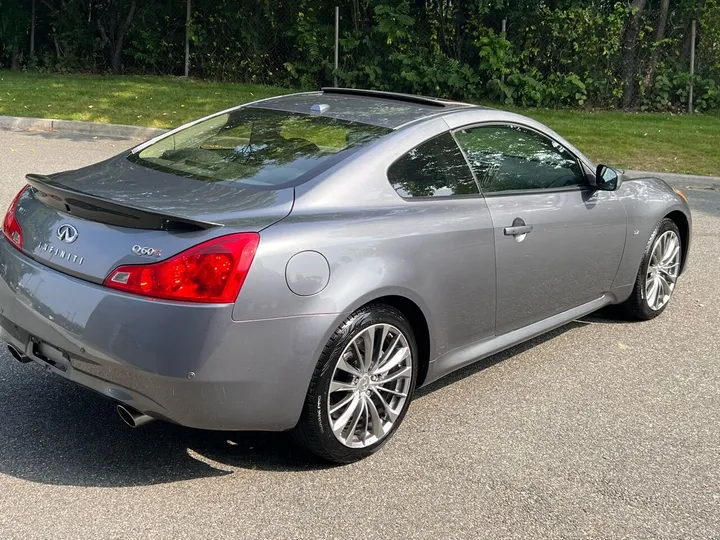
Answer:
x=132 y=417
x=17 y=355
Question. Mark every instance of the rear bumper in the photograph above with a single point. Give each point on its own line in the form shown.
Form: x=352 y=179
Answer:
x=189 y=364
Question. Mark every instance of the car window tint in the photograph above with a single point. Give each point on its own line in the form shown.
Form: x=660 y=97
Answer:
x=509 y=158
x=255 y=147
x=436 y=168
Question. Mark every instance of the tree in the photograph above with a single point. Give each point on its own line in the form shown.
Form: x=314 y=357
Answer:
x=14 y=21
x=659 y=36
x=113 y=30
x=629 y=70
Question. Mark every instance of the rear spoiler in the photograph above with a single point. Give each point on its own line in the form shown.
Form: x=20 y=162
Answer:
x=102 y=210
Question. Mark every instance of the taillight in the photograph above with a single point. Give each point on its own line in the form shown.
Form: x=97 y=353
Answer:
x=11 y=227
x=211 y=272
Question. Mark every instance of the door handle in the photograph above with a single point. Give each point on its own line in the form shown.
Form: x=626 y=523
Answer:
x=517 y=230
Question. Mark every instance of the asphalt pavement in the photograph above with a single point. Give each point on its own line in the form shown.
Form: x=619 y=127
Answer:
x=601 y=429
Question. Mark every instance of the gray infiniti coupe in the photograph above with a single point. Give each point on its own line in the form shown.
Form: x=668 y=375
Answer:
x=305 y=262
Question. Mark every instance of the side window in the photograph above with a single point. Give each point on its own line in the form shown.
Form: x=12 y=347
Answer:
x=510 y=158
x=436 y=168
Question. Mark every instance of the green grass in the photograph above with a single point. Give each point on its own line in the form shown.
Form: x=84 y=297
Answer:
x=645 y=141
x=160 y=102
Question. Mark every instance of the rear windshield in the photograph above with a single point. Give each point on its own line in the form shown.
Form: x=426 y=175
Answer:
x=257 y=147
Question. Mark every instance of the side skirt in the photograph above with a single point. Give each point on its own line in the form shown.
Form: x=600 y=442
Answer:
x=463 y=356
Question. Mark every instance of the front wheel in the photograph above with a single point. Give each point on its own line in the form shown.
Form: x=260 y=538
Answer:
x=361 y=387
x=658 y=273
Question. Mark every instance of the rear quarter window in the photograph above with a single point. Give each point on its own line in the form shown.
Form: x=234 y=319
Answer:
x=436 y=168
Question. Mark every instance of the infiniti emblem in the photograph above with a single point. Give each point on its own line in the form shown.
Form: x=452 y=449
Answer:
x=67 y=233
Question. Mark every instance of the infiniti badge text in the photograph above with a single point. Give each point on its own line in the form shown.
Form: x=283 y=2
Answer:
x=65 y=255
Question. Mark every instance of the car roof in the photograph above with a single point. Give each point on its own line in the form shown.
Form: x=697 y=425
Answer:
x=385 y=109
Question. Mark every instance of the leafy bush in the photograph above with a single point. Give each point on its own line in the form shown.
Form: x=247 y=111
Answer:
x=709 y=46
x=560 y=53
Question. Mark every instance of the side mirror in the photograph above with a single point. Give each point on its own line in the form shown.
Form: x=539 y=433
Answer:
x=607 y=178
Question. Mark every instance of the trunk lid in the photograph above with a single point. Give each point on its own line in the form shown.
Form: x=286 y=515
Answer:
x=89 y=221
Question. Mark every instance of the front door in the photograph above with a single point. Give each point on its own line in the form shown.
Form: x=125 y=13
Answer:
x=558 y=243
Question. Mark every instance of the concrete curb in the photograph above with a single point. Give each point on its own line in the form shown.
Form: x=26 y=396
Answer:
x=15 y=123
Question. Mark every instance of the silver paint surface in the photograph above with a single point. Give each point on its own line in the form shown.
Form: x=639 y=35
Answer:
x=307 y=273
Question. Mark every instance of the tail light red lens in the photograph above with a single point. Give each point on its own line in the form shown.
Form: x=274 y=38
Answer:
x=211 y=272
x=11 y=227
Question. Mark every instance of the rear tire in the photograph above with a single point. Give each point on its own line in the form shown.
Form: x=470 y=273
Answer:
x=657 y=275
x=356 y=401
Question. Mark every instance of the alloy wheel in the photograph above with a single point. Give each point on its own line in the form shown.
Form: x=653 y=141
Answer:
x=663 y=270
x=370 y=386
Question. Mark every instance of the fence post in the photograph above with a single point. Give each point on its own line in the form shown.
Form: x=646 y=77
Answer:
x=32 y=29
x=187 y=38
x=503 y=29
x=337 y=43
x=692 y=65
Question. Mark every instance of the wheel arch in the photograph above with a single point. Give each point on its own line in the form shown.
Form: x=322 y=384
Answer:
x=683 y=225
x=411 y=307
x=415 y=316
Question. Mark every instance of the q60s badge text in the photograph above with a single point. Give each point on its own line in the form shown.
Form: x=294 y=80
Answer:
x=146 y=251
